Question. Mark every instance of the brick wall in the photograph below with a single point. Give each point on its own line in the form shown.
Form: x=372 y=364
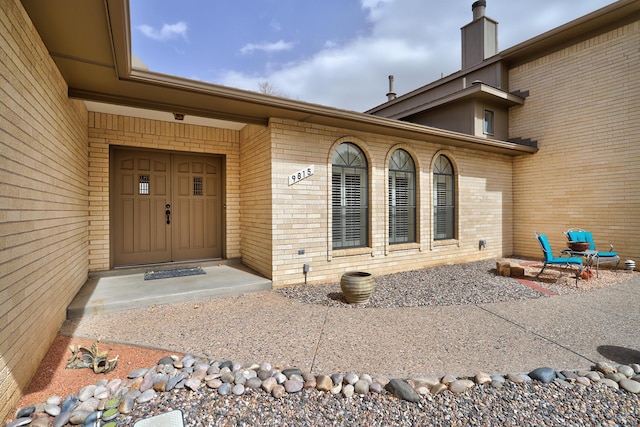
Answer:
x=44 y=200
x=256 y=201
x=106 y=130
x=584 y=112
x=301 y=212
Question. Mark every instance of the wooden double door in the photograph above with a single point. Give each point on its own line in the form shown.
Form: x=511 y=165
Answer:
x=166 y=207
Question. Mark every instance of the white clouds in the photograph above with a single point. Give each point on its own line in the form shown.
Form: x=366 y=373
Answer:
x=167 y=32
x=278 y=46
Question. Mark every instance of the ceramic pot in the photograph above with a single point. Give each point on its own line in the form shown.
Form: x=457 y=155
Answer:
x=357 y=286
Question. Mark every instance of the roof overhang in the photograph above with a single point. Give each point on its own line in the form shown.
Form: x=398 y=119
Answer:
x=97 y=67
x=477 y=91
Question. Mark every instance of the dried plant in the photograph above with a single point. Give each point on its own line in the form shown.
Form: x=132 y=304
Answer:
x=92 y=358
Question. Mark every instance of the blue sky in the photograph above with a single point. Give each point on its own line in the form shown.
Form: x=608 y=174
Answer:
x=337 y=53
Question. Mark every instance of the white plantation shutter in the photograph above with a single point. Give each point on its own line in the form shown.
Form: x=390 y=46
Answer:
x=402 y=221
x=349 y=198
x=443 y=199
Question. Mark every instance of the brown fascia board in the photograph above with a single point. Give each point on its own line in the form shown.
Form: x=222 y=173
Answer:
x=476 y=90
x=123 y=85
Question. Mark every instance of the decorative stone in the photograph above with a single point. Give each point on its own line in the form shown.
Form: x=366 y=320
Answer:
x=630 y=385
x=146 y=396
x=62 y=419
x=126 y=406
x=544 y=375
x=350 y=378
x=53 y=410
x=615 y=376
x=278 y=391
x=167 y=360
x=402 y=390
x=348 y=390
x=293 y=386
x=238 y=389
x=214 y=383
x=481 y=378
x=86 y=392
x=324 y=383
x=583 y=381
x=25 y=412
x=460 y=386
x=447 y=379
x=610 y=383
x=56 y=400
x=438 y=388
x=137 y=373
x=291 y=371
x=79 y=416
x=361 y=387
x=337 y=378
x=310 y=384
x=336 y=389
x=253 y=383
x=268 y=384
x=605 y=368
x=23 y=421
x=625 y=370
x=109 y=414
x=280 y=377
x=192 y=384
x=376 y=387
x=224 y=389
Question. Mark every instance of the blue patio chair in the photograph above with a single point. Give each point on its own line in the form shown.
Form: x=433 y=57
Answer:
x=580 y=235
x=549 y=259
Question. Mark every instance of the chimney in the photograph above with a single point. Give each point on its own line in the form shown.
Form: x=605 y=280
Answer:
x=391 y=95
x=478 y=9
x=480 y=37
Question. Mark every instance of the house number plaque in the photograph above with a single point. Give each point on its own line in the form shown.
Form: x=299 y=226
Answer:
x=300 y=175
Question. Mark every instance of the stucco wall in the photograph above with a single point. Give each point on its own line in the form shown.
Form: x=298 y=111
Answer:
x=108 y=129
x=301 y=212
x=44 y=201
x=583 y=110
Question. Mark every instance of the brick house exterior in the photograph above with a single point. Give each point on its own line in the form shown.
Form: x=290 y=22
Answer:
x=60 y=127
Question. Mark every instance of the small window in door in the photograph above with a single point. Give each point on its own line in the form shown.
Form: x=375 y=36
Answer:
x=197 y=186
x=143 y=184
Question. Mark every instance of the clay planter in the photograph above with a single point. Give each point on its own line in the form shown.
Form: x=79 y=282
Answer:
x=579 y=246
x=357 y=286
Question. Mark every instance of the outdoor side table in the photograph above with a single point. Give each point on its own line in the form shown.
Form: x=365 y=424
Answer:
x=588 y=255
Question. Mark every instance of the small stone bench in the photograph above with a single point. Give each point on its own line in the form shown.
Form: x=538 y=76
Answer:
x=509 y=268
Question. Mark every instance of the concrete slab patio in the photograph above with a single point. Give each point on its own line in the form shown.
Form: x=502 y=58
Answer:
x=570 y=331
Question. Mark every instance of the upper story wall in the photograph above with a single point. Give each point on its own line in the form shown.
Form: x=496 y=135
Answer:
x=584 y=112
x=44 y=199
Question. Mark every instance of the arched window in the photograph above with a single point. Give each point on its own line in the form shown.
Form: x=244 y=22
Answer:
x=349 y=197
x=443 y=199
x=402 y=198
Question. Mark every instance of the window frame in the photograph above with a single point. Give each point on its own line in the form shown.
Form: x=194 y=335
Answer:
x=488 y=123
x=350 y=188
x=445 y=211
x=405 y=171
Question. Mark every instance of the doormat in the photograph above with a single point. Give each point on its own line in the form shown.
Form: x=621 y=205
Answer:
x=178 y=272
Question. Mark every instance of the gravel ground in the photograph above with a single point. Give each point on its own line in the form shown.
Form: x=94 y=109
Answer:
x=513 y=404
x=471 y=283
x=531 y=404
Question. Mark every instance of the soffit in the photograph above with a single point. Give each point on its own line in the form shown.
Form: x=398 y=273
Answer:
x=89 y=40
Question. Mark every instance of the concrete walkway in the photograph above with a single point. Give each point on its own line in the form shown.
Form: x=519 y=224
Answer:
x=564 y=332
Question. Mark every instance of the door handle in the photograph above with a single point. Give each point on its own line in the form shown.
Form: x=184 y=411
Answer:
x=168 y=213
